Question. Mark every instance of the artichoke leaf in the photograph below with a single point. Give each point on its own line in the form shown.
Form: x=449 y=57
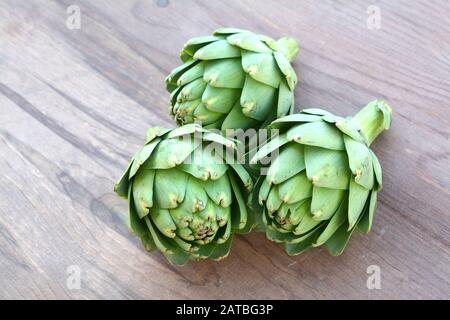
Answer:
x=201 y=40
x=252 y=221
x=277 y=236
x=243 y=175
x=224 y=233
x=317 y=112
x=272 y=146
x=147 y=242
x=191 y=74
x=219 y=139
x=282 y=214
x=365 y=225
x=325 y=202
x=181 y=217
x=136 y=225
x=235 y=119
x=205 y=116
x=273 y=201
x=169 y=188
x=184 y=234
x=222 y=250
x=192 y=91
x=209 y=215
x=304 y=236
x=142 y=189
x=327 y=168
x=271 y=43
x=185 y=130
x=172 y=78
x=276 y=226
x=154 y=132
x=338 y=241
x=288 y=163
x=331 y=118
x=219 y=191
x=227 y=31
x=264 y=190
x=298 y=212
x=219 y=49
x=178 y=257
x=195 y=198
x=319 y=134
x=338 y=219
x=171 y=152
x=204 y=166
x=285 y=100
x=248 y=41
x=122 y=185
x=223 y=215
x=350 y=129
x=239 y=214
x=184 y=245
x=306 y=224
x=219 y=99
x=194 y=44
x=225 y=73
x=294 y=118
x=214 y=125
x=286 y=68
x=306 y=243
x=174 y=93
x=377 y=171
x=257 y=99
x=357 y=199
x=360 y=161
x=296 y=188
x=163 y=221
x=142 y=156
x=261 y=67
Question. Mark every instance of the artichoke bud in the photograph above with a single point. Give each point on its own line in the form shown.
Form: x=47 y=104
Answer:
x=180 y=194
x=215 y=65
x=185 y=233
x=323 y=184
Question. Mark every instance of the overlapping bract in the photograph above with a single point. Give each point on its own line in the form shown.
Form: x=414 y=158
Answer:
x=324 y=182
x=185 y=198
x=233 y=79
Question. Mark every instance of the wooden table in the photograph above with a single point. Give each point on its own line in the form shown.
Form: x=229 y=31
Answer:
x=76 y=103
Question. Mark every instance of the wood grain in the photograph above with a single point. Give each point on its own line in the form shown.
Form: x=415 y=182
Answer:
x=75 y=105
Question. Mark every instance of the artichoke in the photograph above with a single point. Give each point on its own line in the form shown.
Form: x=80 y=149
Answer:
x=324 y=181
x=233 y=79
x=185 y=197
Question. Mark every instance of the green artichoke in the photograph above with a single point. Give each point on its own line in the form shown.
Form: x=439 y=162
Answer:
x=185 y=197
x=233 y=79
x=324 y=181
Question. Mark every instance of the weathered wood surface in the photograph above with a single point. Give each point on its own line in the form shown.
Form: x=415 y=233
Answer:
x=75 y=104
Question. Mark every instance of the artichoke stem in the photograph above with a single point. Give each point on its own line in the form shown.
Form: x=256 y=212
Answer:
x=373 y=119
x=289 y=47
